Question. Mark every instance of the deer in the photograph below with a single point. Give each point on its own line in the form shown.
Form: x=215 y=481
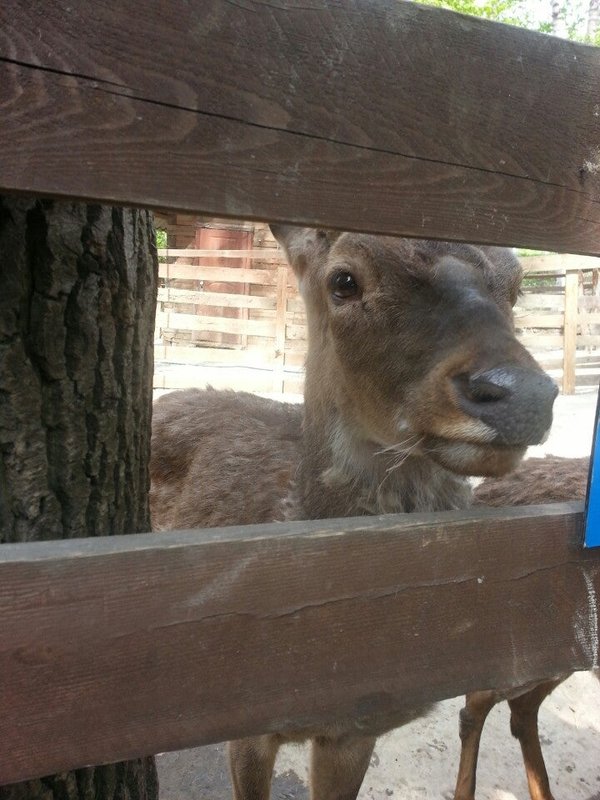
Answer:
x=414 y=381
x=537 y=481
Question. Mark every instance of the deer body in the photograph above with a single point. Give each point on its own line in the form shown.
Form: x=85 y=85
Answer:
x=414 y=380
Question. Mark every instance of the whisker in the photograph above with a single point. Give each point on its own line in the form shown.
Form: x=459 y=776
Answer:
x=399 y=447
x=404 y=454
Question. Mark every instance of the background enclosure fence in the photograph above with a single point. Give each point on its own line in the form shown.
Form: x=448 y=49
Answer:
x=557 y=317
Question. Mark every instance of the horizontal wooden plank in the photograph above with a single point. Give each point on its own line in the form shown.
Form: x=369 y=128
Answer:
x=582 y=355
x=225 y=299
x=548 y=288
x=419 y=133
x=198 y=322
x=556 y=262
x=588 y=318
x=294 y=332
x=298 y=319
x=189 y=252
x=586 y=303
x=541 y=340
x=220 y=274
x=295 y=305
x=296 y=346
x=588 y=370
x=162 y=640
x=585 y=375
x=260 y=357
x=589 y=303
x=539 y=320
x=539 y=301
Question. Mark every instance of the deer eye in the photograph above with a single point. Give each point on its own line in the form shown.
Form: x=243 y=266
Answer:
x=343 y=286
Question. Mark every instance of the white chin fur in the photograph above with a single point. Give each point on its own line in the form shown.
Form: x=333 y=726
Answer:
x=472 y=459
x=469 y=431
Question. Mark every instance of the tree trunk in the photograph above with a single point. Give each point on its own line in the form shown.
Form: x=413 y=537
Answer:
x=593 y=23
x=77 y=302
x=559 y=23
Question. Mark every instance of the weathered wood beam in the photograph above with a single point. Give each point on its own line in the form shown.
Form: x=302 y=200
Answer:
x=116 y=647
x=369 y=115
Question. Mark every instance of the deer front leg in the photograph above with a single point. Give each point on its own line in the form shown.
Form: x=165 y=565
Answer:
x=251 y=762
x=338 y=766
x=524 y=727
x=472 y=719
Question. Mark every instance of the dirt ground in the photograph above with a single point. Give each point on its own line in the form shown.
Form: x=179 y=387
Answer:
x=420 y=760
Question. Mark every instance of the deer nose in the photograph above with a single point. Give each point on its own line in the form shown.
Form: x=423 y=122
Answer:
x=515 y=402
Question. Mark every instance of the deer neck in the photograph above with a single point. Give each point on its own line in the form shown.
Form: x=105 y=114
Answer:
x=343 y=473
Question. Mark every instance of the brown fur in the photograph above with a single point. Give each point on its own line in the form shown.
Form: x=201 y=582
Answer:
x=536 y=481
x=403 y=397
x=198 y=482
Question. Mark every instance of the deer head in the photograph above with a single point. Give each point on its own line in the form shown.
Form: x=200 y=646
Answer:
x=414 y=340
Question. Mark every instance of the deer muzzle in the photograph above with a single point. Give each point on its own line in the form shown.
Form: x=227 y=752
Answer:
x=515 y=402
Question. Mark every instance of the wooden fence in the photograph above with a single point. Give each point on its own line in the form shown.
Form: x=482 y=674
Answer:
x=273 y=330
x=557 y=318
x=560 y=322
x=434 y=125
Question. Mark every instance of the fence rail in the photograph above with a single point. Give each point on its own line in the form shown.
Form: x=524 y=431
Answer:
x=250 y=153
x=160 y=639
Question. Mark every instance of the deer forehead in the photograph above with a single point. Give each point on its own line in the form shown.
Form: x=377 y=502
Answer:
x=415 y=273
x=379 y=260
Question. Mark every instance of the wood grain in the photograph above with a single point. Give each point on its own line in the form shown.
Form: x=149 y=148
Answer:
x=212 y=273
x=428 y=124
x=280 y=329
x=558 y=263
x=122 y=646
x=570 y=332
x=262 y=254
x=196 y=322
x=223 y=299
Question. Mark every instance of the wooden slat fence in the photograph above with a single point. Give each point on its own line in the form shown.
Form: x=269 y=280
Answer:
x=558 y=317
x=555 y=320
x=274 y=330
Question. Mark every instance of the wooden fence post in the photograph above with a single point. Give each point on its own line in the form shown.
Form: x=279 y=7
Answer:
x=570 y=331
x=280 y=315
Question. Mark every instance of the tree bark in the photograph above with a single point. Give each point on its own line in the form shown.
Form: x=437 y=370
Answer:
x=77 y=303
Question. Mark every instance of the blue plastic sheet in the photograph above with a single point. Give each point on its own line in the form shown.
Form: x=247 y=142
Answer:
x=592 y=515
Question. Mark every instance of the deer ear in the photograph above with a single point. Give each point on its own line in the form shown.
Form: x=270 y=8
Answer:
x=303 y=245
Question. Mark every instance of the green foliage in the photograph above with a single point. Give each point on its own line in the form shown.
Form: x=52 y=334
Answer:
x=161 y=241
x=536 y=15
x=512 y=12
x=526 y=251
x=161 y=238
